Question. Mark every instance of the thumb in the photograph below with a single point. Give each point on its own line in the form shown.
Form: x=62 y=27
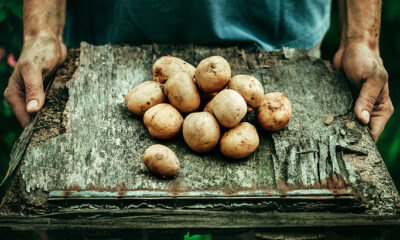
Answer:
x=365 y=103
x=33 y=81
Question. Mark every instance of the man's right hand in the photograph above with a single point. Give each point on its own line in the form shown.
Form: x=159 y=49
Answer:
x=40 y=56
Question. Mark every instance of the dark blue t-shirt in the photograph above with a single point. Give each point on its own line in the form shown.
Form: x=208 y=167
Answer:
x=271 y=24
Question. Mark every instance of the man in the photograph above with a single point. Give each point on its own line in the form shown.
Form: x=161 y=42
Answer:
x=271 y=24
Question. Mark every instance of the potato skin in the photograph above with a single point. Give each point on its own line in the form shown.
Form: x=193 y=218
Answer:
x=274 y=112
x=207 y=108
x=213 y=74
x=240 y=141
x=161 y=161
x=163 y=121
x=249 y=87
x=182 y=92
x=228 y=107
x=165 y=67
x=144 y=96
x=201 y=131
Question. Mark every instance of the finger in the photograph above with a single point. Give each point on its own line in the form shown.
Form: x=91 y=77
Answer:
x=33 y=82
x=15 y=98
x=337 y=59
x=369 y=94
x=17 y=104
x=377 y=124
x=381 y=113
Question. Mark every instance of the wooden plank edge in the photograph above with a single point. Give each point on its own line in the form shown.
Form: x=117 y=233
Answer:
x=193 y=219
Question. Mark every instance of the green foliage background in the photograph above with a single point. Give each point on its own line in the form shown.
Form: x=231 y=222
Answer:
x=389 y=143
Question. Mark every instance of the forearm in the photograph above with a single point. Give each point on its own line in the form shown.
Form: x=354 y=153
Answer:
x=358 y=56
x=43 y=17
x=360 y=22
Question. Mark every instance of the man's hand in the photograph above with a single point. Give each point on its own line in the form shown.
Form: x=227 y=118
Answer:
x=364 y=69
x=358 y=56
x=42 y=52
x=40 y=56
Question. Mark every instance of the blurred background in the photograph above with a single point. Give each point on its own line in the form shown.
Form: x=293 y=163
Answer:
x=388 y=144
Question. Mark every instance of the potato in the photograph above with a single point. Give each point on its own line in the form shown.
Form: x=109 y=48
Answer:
x=144 y=96
x=228 y=107
x=182 y=92
x=161 y=161
x=165 y=67
x=249 y=87
x=207 y=108
x=213 y=74
x=240 y=141
x=274 y=112
x=163 y=121
x=201 y=131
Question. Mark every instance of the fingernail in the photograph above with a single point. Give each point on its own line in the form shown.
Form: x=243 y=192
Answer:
x=365 y=115
x=32 y=105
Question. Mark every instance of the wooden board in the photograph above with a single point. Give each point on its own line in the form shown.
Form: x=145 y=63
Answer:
x=85 y=147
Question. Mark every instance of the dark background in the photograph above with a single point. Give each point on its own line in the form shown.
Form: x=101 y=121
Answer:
x=388 y=144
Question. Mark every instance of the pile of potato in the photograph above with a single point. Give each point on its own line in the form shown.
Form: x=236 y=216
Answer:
x=180 y=88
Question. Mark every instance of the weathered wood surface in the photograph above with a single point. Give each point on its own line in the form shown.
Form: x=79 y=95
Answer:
x=85 y=145
x=193 y=219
